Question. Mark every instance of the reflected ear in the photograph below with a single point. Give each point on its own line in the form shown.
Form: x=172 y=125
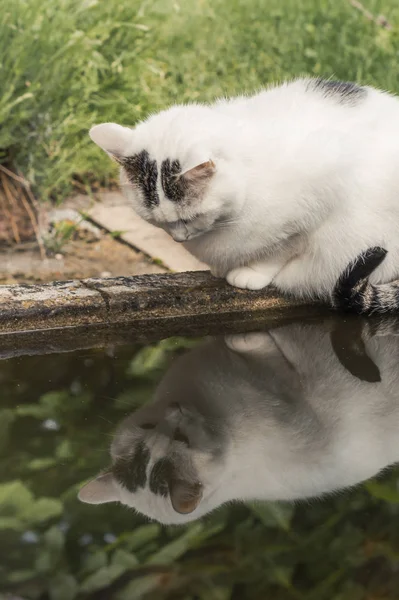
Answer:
x=112 y=138
x=185 y=496
x=99 y=490
x=200 y=173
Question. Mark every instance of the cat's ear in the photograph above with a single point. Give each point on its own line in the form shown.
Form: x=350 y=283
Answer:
x=112 y=138
x=185 y=496
x=99 y=490
x=199 y=174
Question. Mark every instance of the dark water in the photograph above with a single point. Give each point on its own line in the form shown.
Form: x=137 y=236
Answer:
x=309 y=408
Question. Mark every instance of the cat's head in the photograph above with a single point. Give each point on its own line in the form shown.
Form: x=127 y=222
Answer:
x=177 y=169
x=167 y=463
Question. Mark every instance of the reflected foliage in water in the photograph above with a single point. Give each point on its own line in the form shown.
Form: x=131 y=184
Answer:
x=57 y=417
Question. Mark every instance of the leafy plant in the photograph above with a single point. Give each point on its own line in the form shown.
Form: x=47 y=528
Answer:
x=62 y=233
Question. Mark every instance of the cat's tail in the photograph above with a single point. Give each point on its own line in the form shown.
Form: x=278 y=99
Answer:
x=354 y=293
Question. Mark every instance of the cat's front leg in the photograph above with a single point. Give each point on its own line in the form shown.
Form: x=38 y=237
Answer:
x=217 y=272
x=256 y=276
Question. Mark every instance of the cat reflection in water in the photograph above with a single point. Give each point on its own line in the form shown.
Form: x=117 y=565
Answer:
x=295 y=412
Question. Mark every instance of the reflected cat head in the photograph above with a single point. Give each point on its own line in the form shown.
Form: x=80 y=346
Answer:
x=166 y=458
x=295 y=412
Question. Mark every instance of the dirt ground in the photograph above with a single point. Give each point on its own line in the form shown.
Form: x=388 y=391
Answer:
x=86 y=256
x=89 y=251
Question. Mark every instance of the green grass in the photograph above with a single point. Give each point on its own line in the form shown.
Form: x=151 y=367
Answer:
x=67 y=64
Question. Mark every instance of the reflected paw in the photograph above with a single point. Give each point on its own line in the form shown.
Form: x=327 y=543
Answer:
x=248 y=279
x=246 y=342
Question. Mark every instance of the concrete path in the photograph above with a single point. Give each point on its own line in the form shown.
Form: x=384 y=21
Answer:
x=114 y=213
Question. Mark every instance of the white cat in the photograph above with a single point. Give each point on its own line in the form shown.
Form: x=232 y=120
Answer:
x=294 y=412
x=285 y=187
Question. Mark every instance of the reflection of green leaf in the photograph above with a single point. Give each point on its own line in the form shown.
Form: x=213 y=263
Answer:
x=147 y=361
x=152 y=359
x=63 y=587
x=273 y=514
x=64 y=450
x=61 y=401
x=7 y=417
x=42 y=510
x=39 y=464
x=54 y=539
x=45 y=562
x=32 y=410
x=177 y=547
x=176 y=343
x=280 y=574
x=19 y=509
x=125 y=559
x=20 y=577
x=136 y=589
x=94 y=562
x=102 y=578
x=10 y=523
x=14 y=497
x=211 y=530
x=134 y=397
x=348 y=591
x=51 y=555
x=219 y=593
x=133 y=540
x=382 y=491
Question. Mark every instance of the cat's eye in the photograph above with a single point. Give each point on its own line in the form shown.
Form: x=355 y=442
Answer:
x=147 y=426
x=174 y=224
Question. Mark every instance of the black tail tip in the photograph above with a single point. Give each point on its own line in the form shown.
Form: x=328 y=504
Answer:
x=348 y=292
x=365 y=264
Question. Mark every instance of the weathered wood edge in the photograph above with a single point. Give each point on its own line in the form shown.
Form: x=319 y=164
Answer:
x=94 y=312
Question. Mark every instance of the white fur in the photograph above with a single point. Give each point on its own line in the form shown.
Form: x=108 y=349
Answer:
x=304 y=182
x=289 y=420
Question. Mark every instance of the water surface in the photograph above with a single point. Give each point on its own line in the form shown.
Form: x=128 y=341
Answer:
x=323 y=392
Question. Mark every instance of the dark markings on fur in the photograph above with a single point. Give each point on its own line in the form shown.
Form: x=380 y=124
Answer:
x=161 y=475
x=131 y=471
x=351 y=351
x=179 y=436
x=353 y=292
x=143 y=172
x=173 y=185
x=345 y=92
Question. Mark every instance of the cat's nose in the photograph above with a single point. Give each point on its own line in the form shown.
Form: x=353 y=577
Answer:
x=179 y=236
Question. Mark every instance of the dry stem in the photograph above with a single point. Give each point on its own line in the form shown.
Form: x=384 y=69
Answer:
x=380 y=20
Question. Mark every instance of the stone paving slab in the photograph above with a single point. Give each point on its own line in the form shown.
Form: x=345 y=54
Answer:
x=114 y=213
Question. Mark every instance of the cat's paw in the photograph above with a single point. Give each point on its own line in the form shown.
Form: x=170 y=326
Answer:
x=248 y=279
x=247 y=342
